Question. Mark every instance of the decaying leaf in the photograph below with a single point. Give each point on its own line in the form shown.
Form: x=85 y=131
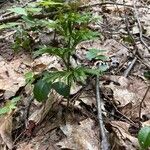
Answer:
x=128 y=95
x=45 y=62
x=10 y=80
x=83 y=136
x=25 y=146
x=6 y=130
x=121 y=130
x=38 y=115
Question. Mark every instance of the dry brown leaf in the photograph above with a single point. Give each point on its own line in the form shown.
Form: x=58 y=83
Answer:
x=6 y=130
x=81 y=137
x=38 y=115
x=135 y=29
x=38 y=145
x=121 y=93
x=139 y=87
x=129 y=94
x=146 y=123
x=26 y=146
x=46 y=62
x=10 y=80
x=121 y=130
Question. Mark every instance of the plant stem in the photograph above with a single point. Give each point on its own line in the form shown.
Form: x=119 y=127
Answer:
x=69 y=84
x=66 y=64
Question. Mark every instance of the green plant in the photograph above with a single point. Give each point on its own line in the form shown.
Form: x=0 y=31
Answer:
x=9 y=106
x=72 y=27
x=147 y=74
x=144 y=137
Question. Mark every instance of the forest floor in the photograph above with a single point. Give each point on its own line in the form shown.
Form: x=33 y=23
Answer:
x=125 y=35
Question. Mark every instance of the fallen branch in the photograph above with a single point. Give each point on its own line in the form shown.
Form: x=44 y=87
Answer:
x=104 y=143
x=126 y=73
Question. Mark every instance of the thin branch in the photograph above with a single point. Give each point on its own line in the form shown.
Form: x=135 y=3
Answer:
x=140 y=110
x=137 y=53
x=139 y=26
x=126 y=73
x=105 y=3
x=104 y=144
x=17 y=17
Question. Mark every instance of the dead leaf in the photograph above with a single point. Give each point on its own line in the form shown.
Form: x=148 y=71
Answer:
x=121 y=130
x=10 y=80
x=38 y=115
x=121 y=92
x=81 y=137
x=46 y=62
x=6 y=130
x=25 y=146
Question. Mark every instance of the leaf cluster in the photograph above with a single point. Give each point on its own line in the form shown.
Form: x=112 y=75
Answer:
x=69 y=24
x=9 y=106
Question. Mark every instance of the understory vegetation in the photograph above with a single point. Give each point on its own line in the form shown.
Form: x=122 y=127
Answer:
x=68 y=25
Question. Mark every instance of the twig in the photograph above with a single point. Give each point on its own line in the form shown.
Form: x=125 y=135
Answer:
x=139 y=26
x=3 y=2
x=17 y=17
x=122 y=115
x=142 y=103
x=8 y=35
x=126 y=73
x=137 y=53
x=105 y=3
x=28 y=107
x=104 y=144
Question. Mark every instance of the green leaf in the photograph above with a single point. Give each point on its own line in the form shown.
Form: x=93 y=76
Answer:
x=128 y=39
x=12 y=103
x=79 y=74
x=93 y=71
x=56 y=75
x=29 y=77
x=41 y=90
x=95 y=53
x=101 y=57
x=9 y=25
x=9 y=106
x=147 y=74
x=19 y=11
x=47 y=3
x=52 y=51
x=15 y=100
x=61 y=88
x=4 y=110
x=144 y=137
x=33 y=10
x=91 y=54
